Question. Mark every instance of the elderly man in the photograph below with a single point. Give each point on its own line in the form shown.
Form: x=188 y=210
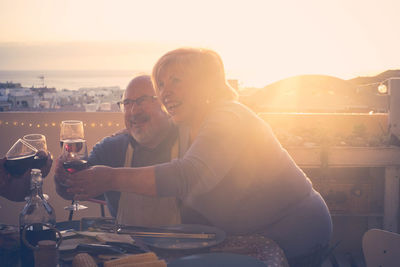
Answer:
x=149 y=139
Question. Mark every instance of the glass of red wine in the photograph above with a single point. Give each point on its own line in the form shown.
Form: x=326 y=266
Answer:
x=75 y=158
x=39 y=142
x=72 y=133
x=20 y=158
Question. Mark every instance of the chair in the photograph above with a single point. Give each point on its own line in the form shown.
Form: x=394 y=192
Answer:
x=381 y=248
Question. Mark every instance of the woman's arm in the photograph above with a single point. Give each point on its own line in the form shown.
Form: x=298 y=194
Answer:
x=99 y=179
x=208 y=160
x=214 y=152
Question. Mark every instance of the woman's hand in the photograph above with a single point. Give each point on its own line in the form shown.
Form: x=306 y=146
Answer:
x=4 y=175
x=89 y=183
x=14 y=188
x=7 y=177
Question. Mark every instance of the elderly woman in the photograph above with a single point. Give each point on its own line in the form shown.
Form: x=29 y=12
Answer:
x=232 y=171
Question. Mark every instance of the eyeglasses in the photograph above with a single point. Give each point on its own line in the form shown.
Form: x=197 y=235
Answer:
x=140 y=101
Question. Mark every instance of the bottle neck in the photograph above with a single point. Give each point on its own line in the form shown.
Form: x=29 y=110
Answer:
x=37 y=210
x=36 y=185
x=36 y=190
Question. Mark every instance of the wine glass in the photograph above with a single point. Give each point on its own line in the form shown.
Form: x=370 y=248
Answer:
x=75 y=158
x=20 y=158
x=39 y=142
x=71 y=130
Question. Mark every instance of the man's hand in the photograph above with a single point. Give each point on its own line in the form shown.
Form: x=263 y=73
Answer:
x=60 y=178
x=89 y=183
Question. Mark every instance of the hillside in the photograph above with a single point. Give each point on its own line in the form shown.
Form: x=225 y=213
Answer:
x=375 y=79
x=320 y=93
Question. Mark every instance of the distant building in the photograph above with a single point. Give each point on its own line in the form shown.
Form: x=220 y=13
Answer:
x=91 y=107
x=105 y=106
x=44 y=104
x=4 y=104
x=43 y=90
x=102 y=99
x=23 y=98
x=10 y=85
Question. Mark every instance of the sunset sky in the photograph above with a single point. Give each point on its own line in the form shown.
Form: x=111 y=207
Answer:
x=260 y=41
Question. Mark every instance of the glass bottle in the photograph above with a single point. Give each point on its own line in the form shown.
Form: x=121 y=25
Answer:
x=34 y=215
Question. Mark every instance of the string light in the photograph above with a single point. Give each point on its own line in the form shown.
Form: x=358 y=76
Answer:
x=382 y=89
x=38 y=125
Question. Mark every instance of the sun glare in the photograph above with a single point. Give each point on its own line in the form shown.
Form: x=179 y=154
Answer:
x=259 y=41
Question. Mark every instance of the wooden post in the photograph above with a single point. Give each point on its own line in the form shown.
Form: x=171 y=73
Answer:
x=391 y=198
x=394 y=107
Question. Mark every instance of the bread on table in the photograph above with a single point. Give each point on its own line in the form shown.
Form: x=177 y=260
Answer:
x=148 y=259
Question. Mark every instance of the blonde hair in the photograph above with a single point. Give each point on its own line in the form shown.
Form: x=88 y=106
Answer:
x=203 y=66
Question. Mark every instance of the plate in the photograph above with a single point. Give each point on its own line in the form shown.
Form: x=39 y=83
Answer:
x=217 y=260
x=6 y=229
x=185 y=243
x=67 y=225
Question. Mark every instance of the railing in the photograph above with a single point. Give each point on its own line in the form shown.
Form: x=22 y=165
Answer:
x=361 y=157
x=385 y=213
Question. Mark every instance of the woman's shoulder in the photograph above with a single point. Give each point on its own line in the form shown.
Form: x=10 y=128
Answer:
x=229 y=117
x=232 y=111
x=234 y=116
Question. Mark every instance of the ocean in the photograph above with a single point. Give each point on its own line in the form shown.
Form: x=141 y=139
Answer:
x=72 y=80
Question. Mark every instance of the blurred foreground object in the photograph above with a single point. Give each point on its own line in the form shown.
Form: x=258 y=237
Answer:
x=83 y=260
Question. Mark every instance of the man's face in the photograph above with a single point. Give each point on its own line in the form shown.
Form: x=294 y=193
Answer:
x=144 y=118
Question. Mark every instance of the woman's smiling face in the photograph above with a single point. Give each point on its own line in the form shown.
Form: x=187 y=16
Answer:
x=179 y=93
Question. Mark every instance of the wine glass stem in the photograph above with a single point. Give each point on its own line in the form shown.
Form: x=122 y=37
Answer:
x=71 y=212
